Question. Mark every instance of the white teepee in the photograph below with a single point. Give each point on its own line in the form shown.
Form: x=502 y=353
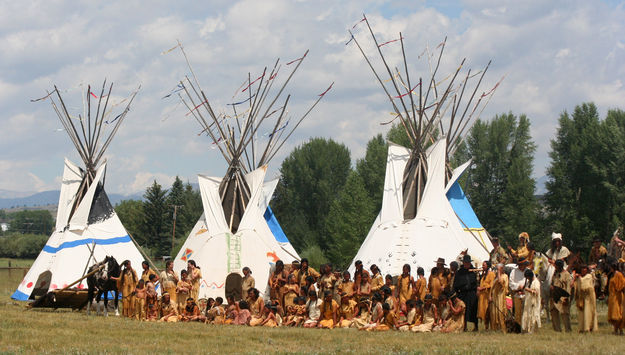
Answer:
x=87 y=228
x=425 y=214
x=238 y=228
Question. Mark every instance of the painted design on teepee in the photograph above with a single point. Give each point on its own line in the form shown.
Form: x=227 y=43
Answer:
x=202 y=230
x=273 y=256
x=187 y=254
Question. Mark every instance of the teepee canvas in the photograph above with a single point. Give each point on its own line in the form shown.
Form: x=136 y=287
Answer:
x=238 y=228
x=425 y=214
x=87 y=228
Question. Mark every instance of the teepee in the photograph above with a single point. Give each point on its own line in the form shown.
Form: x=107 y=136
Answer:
x=87 y=228
x=425 y=214
x=238 y=228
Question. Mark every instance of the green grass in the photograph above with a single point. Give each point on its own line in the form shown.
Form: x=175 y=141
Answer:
x=64 y=331
x=4 y=262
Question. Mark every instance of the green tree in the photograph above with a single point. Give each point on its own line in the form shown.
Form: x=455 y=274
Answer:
x=312 y=176
x=372 y=168
x=130 y=212
x=349 y=221
x=155 y=214
x=35 y=222
x=176 y=197
x=499 y=184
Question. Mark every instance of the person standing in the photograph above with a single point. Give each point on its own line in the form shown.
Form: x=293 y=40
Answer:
x=128 y=282
x=516 y=284
x=405 y=285
x=561 y=288
x=147 y=271
x=305 y=271
x=531 y=302
x=465 y=285
x=169 y=280
x=420 y=287
x=616 y=298
x=499 y=308
x=498 y=255
x=195 y=277
x=377 y=281
x=557 y=250
x=484 y=293
x=586 y=301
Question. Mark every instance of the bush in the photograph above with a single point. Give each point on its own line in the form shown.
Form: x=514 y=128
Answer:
x=24 y=246
x=315 y=256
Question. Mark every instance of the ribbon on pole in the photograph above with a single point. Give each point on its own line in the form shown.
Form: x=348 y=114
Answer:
x=178 y=87
x=328 y=89
x=279 y=129
x=241 y=102
x=195 y=108
x=92 y=94
x=493 y=89
x=400 y=96
x=252 y=83
x=116 y=117
x=42 y=98
x=170 y=49
x=296 y=60
x=391 y=41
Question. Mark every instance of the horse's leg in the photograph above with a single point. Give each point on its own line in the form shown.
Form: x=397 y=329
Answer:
x=106 y=303
x=98 y=297
x=89 y=300
x=116 y=302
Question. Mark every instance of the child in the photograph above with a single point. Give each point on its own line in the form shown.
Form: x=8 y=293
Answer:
x=191 y=312
x=140 y=296
x=388 y=279
x=405 y=285
x=411 y=313
x=230 y=310
x=242 y=314
x=299 y=312
x=218 y=312
x=151 y=300
x=270 y=320
x=169 y=310
x=313 y=310
x=389 y=321
x=362 y=317
x=183 y=288
x=347 y=310
x=429 y=317
x=290 y=291
x=329 y=311
x=364 y=289
x=346 y=285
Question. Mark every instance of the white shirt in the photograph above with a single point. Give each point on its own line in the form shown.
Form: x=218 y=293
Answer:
x=517 y=279
x=314 y=310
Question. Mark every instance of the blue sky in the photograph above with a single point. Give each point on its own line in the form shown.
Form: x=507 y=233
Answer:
x=555 y=54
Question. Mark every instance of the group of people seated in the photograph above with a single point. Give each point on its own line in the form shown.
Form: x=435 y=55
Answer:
x=300 y=296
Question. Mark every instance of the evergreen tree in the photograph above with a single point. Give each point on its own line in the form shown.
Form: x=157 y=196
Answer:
x=130 y=212
x=155 y=215
x=312 y=176
x=176 y=197
x=349 y=221
x=372 y=169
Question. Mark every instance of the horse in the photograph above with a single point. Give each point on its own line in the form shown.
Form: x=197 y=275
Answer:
x=544 y=272
x=102 y=281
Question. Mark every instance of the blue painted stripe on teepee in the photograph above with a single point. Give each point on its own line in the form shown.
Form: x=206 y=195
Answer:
x=19 y=296
x=274 y=226
x=75 y=243
x=462 y=207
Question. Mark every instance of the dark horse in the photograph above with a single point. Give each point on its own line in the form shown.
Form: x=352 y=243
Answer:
x=102 y=281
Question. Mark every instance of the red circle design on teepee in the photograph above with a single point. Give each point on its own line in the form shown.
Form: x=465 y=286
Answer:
x=30 y=284
x=54 y=287
x=81 y=286
x=64 y=285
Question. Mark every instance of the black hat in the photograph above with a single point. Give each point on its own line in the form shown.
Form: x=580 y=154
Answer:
x=467 y=258
x=441 y=261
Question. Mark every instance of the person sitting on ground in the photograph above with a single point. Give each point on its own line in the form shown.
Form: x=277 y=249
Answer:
x=377 y=312
x=169 y=310
x=430 y=316
x=389 y=319
x=242 y=315
x=365 y=286
x=329 y=311
x=388 y=298
x=300 y=312
x=231 y=309
x=347 y=310
x=210 y=303
x=411 y=312
x=151 y=300
x=271 y=319
x=217 y=314
x=255 y=303
x=140 y=296
x=363 y=314
x=191 y=312
x=313 y=310
x=456 y=321
x=345 y=285
x=258 y=320
x=183 y=290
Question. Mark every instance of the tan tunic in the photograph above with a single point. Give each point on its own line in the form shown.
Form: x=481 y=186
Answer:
x=246 y=284
x=586 y=303
x=616 y=300
x=482 y=296
x=499 y=308
x=420 y=288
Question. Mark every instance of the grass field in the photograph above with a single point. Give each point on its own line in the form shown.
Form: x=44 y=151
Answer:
x=46 y=331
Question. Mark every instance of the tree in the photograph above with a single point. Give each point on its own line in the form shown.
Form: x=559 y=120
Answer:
x=176 y=197
x=351 y=216
x=372 y=169
x=35 y=222
x=585 y=188
x=130 y=212
x=312 y=176
x=155 y=214
x=498 y=183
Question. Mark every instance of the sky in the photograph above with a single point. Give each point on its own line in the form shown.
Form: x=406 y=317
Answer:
x=553 y=54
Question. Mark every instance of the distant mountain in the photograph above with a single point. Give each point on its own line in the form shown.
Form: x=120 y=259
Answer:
x=14 y=194
x=52 y=198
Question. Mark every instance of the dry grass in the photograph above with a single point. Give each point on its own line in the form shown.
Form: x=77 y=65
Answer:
x=47 y=331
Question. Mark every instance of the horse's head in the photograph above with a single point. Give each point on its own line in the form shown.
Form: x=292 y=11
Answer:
x=112 y=267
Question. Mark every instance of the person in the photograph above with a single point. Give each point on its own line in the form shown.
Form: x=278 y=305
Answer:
x=499 y=309
x=465 y=286
x=616 y=297
x=329 y=311
x=346 y=285
x=151 y=300
x=305 y=270
x=457 y=310
x=326 y=281
x=377 y=312
x=363 y=314
x=498 y=255
x=247 y=282
x=616 y=248
x=183 y=290
x=277 y=281
x=364 y=289
x=597 y=252
x=140 y=296
x=521 y=251
x=256 y=306
x=195 y=277
x=358 y=274
x=430 y=316
x=440 y=272
x=147 y=271
x=435 y=286
x=388 y=321
x=169 y=309
x=308 y=286
x=231 y=309
x=420 y=286
x=586 y=301
x=217 y=313
x=388 y=282
x=271 y=319
x=410 y=318
x=560 y=302
x=557 y=250
x=127 y=282
x=487 y=278
x=242 y=315
x=449 y=276
x=405 y=285
x=377 y=281
x=347 y=310
x=516 y=283
x=531 y=303
x=299 y=312
x=191 y=312
x=169 y=280
x=387 y=295
x=290 y=291
x=313 y=310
